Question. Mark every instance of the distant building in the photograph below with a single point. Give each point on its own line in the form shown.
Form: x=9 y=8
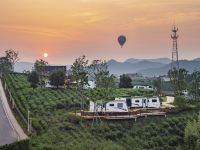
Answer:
x=48 y=85
x=146 y=87
x=165 y=78
x=91 y=84
x=135 y=76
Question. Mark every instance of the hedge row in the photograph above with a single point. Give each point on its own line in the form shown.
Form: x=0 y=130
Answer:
x=21 y=145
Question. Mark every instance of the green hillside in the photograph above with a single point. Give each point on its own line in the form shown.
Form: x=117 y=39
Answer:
x=56 y=128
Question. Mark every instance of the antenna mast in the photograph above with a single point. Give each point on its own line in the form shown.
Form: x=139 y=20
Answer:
x=175 y=61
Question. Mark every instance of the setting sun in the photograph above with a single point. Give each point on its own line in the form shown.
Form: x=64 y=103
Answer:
x=45 y=55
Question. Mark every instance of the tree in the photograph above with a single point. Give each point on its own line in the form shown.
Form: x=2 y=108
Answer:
x=57 y=78
x=157 y=83
x=194 y=86
x=178 y=80
x=12 y=56
x=192 y=134
x=125 y=81
x=33 y=78
x=80 y=72
x=105 y=82
x=106 y=88
x=80 y=75
x=97 y=69
x=5 y=65
x=180 y=101
x=39 y=67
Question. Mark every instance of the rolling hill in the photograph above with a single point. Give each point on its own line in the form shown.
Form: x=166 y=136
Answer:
x=188 y=65
x=118 y=68
x=158 y=60
x=148 y=67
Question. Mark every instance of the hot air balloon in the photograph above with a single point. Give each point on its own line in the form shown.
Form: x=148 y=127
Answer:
x=121 y=40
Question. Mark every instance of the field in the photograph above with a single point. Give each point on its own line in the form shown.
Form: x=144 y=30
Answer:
x=56 y=127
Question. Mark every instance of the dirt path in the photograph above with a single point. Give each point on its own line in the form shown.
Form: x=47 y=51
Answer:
x=169 y=102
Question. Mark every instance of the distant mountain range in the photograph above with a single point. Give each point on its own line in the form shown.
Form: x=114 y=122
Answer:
x=189 y=65
x=118 y=68
x=22 y=66
x=148 y=67
x=158 y=60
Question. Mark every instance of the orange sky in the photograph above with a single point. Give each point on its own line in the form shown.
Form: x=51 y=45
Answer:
x=66 y=29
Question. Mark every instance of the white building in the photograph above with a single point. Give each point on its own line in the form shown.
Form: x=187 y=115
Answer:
x=90 y=85
x=146 y=87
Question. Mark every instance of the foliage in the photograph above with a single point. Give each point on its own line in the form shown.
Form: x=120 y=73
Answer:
x=195 y=84
x=157 y=83
x=178 y=80
x=57 y=78
x=21 y=145
x=105 y=90
x=125 y=81
x=96 y=69
x=33 y=78
x=79 y=71
x=192 y=134
x=12 y=56
x=5 y=65
x=39 y=67
x=181 y=102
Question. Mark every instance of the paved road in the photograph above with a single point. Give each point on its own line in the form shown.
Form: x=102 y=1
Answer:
x=7 y=133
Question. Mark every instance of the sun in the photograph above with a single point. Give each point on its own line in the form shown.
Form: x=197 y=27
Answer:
x=45 y=55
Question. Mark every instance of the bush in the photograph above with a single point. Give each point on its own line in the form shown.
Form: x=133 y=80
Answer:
x=181 y=102
x=21 y=145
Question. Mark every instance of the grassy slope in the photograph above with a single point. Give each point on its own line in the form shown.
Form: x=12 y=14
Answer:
x=58 y=129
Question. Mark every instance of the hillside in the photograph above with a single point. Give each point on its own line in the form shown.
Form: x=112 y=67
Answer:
x=158 y=60
x=56 y=128
x=188 y=65
x=119 y=68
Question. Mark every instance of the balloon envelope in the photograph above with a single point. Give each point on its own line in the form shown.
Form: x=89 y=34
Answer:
x=121 y=40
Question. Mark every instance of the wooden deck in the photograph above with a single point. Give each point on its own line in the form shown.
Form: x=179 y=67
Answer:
x=120 y=116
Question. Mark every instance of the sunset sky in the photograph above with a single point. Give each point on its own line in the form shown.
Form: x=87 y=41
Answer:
x=66 y=29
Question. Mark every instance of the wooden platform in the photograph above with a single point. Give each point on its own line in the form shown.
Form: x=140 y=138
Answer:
x=122 y=116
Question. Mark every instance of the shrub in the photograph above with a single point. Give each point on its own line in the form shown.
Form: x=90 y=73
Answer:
x=181 y=102
x=21 y=145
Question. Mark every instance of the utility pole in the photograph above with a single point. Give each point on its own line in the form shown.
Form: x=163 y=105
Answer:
x=29 y=122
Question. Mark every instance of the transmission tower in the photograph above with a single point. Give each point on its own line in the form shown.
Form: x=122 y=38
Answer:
x=175 y=61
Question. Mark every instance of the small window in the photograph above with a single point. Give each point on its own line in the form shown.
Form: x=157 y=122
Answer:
x=144 y=100
x=111 y=105
x=154 y=100
x=137 y=101
x=120 y=105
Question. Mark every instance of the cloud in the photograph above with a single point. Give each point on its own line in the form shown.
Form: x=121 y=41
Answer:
x=44 y=32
